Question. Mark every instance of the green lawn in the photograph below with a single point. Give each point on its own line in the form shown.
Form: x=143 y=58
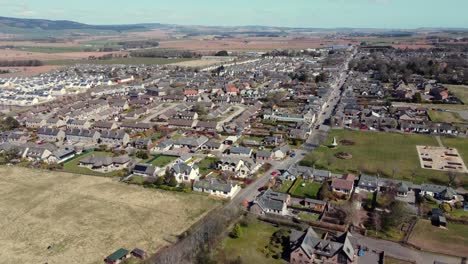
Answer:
x=460 y=91
x=162 y=161
x=445 y=117
x=310 y=190
x=206 y=164
x=125 y=61
x=389 y=154
x=309 y=216
x=254 y=238
x=72 y=166
x=285 y=186
x=459 y=214
x=393 y=234
x=451 y=241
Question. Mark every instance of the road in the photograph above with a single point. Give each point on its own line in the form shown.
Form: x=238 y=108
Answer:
x=396 y=250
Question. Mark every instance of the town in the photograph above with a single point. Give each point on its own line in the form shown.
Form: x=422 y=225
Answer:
x=343 y=153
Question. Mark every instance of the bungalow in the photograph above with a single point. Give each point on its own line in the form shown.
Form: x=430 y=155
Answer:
x=103 y=163
x=55 y=123
x=61 y=155
x=181 y=123
x=187 y=115
x=209 y=126
x=185 y=173
x=142 y=143
x=163 y=146
x=217 y=188
x=213 y=145
x=14 y=136
x=146 y=170
x=439 y=192
x=104 y=125
x=240 y=151
x=281 y=152
x=78 y=124
x=37 y=153
x=136 y=127
x=35 y=123
x=344 y=184
x=192 y=143
x=321 y=175
x=270 y=202
x=117 y=257
x=264 y=155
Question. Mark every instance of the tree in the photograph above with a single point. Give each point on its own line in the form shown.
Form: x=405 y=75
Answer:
x=172 y=181
x=236 y=231
x=452 y=177
x=325 y=193
x=417 y=98
x=222 y=53
x=142 y=154
x=9 y=123
x=275 y=98
x=159 y=181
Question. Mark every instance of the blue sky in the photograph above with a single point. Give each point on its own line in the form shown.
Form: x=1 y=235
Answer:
x=291 y=13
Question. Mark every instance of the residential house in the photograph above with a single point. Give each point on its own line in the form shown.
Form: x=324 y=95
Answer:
x=103 y=163
x=146 y=170
x=61 y=155
x=264 y=155
x=239 y=167
x=213 y=145
x=86 y=136
x=117 y=137
x=217 y=188
x=51 y=134
x=142 y=143
x=281 y=152
x=439 y=192
x=270 y=202
x=185 y=173
x=192 y=143
x=240 y=151
x=344 y=184
x=309 y=247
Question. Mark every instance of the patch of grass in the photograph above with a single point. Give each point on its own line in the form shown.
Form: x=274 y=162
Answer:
x=460 y=91
x=249 y=246
x=51 y=49
x=459 y=214
x=309 y=217
x=393 y=234
x=162 y=161
x=310 y=190
x=125 y=61
x=73 y=166
x=388 y=154
x=451 y=241
x=285 y=186
x=445 y=117
x=206 y=165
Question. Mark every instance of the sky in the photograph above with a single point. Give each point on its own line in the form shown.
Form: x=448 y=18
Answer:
x=399 y=14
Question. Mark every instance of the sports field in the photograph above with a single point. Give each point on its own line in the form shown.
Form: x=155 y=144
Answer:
x=50 y=217
x=389 y=154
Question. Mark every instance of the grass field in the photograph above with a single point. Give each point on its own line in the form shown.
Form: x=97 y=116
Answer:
x=50 y=217
x=125 y=61
x=453 y=241
x=72 y=166
x=461 y=144
x=162 y=161
x=445 y=117
x=310 y=189
x=389 y=154
x=254 y=238
x=461 y=91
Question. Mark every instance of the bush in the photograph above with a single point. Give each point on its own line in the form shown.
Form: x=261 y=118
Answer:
x=458 y=205
x=236 y=231
x=445 y=207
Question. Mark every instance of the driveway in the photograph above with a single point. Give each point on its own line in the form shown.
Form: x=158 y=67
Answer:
x=396 y=250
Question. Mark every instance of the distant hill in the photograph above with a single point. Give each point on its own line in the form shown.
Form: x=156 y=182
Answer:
x=47 y=25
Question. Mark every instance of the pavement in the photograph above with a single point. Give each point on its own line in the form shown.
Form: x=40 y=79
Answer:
x=396 y=250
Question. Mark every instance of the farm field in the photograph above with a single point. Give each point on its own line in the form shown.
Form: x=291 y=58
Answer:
x=461 y=91
x=52 y=217
x=389 y=154
x=453 y=241
x=125 y=61
x=445 y=117
x=461 y=144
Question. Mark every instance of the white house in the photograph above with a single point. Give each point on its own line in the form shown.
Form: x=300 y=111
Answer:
x=214 y=187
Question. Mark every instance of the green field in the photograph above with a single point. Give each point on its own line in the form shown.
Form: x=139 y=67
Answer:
x=254 y=238
x=45 y=49
x=389 y=154
x=445 y=117
x=310 y=189
x=162 y=161
x=72 y=166
x=461 y=91
x=125 y=61
x=451 y=241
